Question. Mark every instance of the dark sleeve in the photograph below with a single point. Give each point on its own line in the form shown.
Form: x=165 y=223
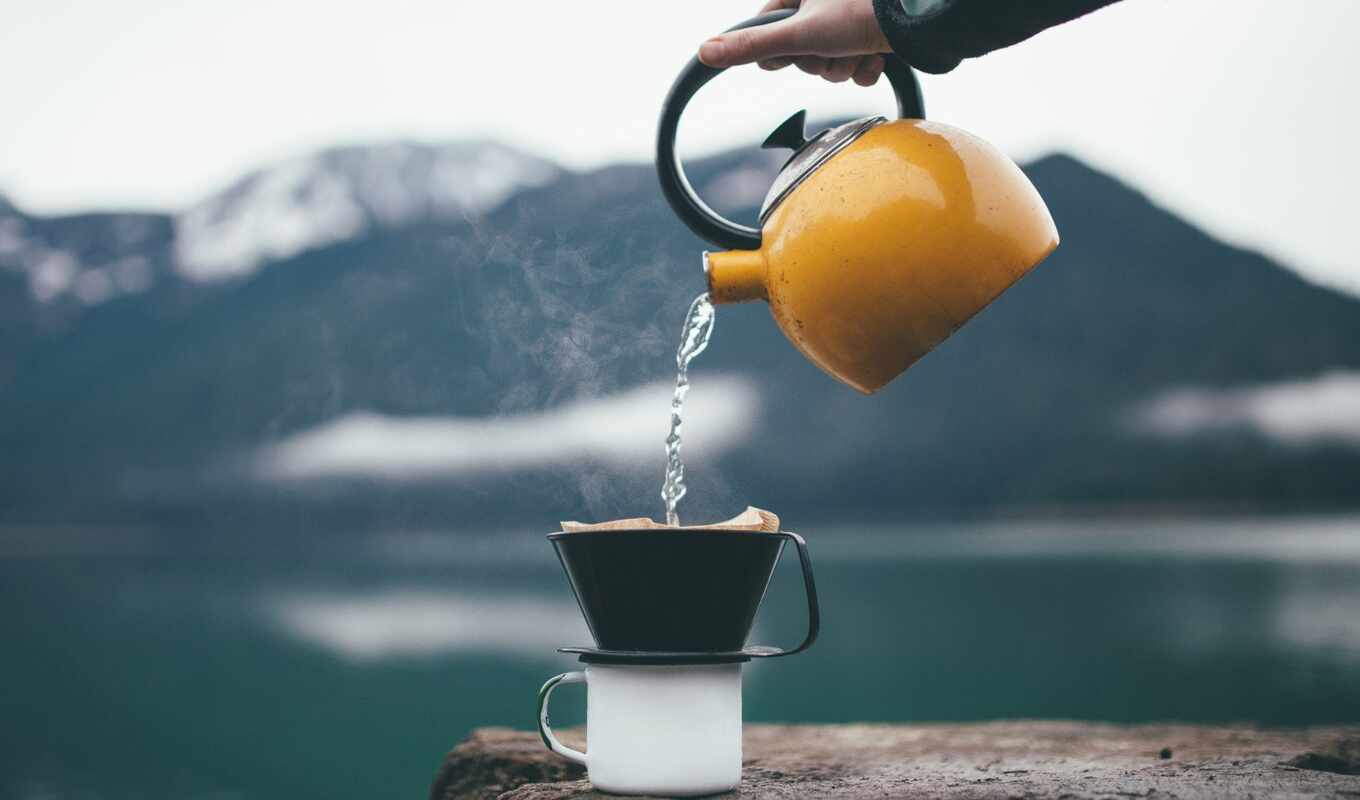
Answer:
x=935 y=35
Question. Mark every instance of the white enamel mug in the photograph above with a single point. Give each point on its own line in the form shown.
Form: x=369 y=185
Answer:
x=656 y=729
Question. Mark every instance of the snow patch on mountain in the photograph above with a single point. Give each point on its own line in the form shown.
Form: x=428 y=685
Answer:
x=12 y=239
x=107 y=259
x=339 y=194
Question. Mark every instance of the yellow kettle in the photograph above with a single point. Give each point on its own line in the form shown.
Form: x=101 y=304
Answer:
x=878 y=238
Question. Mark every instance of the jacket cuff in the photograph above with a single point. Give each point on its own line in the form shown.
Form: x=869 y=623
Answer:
x=901 y=29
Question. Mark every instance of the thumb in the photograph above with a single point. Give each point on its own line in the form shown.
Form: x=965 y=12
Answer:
x=763 y=42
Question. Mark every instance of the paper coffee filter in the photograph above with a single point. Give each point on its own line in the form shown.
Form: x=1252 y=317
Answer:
x=752 y=519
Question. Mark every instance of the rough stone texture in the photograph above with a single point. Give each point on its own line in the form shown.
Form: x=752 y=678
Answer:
x=1023 y=759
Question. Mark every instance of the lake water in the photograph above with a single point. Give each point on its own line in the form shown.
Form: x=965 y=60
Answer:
x=347 y=671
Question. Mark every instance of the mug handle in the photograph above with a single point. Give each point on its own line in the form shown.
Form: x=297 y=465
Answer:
x=814 y=612
x=544 y=729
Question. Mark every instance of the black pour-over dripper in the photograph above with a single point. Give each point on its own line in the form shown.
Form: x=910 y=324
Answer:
x=676 y=596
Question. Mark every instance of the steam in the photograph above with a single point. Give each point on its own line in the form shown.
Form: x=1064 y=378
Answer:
x=569 y=323
x=554 y=341
x=576 y=321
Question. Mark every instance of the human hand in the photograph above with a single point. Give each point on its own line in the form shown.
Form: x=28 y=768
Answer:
x=834 y=39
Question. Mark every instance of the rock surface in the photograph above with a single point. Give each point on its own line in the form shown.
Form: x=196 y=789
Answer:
x=1028 y=759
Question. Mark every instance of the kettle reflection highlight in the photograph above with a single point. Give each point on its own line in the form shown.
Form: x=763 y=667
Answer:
x=878 y=238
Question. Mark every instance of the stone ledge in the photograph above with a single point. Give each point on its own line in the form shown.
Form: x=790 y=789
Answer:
x=1029 y=759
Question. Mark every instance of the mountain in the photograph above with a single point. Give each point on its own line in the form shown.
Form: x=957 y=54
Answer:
x=470 y=281
x=343 y=193
x=64 y=263
x=331 y=196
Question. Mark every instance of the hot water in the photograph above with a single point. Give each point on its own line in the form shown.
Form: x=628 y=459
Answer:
x=694 y=337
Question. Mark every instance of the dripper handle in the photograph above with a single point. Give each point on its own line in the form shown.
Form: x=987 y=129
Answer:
x=814 y=611
x=692 y=210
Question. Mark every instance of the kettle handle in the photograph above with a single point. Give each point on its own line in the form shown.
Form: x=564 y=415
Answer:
x=704 y=221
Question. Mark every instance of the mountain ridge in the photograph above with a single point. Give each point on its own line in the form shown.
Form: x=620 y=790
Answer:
x=575 y=287
x=338 y=193
x=756 y=167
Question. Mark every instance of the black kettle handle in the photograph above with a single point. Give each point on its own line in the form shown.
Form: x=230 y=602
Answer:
x=814 y=611
x=704 y=221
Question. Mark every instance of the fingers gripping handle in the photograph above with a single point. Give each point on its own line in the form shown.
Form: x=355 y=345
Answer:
x=692 y=210
x=544 y=729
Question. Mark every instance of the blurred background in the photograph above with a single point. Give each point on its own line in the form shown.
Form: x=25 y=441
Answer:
x=315 y=317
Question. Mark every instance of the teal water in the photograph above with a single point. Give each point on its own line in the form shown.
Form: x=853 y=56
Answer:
x=347 y=672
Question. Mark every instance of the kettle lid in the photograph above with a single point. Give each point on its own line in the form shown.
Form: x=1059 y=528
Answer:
x=808 y=154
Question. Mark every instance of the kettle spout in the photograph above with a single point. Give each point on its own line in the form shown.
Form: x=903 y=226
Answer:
x=735 y=276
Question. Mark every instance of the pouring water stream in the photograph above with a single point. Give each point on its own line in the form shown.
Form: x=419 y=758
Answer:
x=693 y=340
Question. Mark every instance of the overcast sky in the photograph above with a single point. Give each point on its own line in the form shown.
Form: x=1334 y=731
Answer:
x=1230 y=112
